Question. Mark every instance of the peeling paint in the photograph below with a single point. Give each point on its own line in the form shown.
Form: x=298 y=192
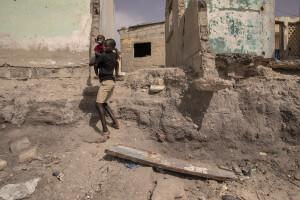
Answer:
x=242 y=25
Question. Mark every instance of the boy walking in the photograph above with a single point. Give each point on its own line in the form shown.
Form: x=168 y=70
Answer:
x=107 y=64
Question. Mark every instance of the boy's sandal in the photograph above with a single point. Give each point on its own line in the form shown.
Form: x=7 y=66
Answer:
x=107 y=133
x=116 y=126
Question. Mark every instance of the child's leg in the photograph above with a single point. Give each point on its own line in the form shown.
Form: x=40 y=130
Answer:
x=111 y=114
x=101 y=111
x=96 y=69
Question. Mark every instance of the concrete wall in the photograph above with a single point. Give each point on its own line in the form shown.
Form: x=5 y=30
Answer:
x=107 y=18
x=153 y=33
x=242 y=26
x=44 y=32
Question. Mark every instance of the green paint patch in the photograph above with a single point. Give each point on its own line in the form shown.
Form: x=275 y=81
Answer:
x=218 y=44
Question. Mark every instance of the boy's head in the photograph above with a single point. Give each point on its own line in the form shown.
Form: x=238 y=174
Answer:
x=109 y=45
x=100 y=39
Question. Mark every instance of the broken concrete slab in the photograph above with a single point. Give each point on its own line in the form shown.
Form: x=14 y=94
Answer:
x=156 y=88
x=19 y=145
x=28 y=155
x=172 y=164
x=3 y=164
x=203 y=84
x=169 y=189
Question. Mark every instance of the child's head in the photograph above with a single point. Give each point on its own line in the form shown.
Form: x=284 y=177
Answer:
x=109 y=45
x=100 y=39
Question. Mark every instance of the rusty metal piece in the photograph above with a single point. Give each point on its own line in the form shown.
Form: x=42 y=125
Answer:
x=172 y=164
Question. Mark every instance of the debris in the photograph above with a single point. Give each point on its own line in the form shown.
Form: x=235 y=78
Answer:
x=161 y=137
x=28 y=156
x=3 y=174
x=189 y=119
x=196 y=126
x=156 y=88
x=130 y=164
x=172 y=164
x=160 y=82
x=19 y=145
x=95 y=138
x=3 y=164
x=263 y=153
x=229 y=197
x=236 y=169
x=297 y=175
x=245 y=173
x=169 y=189
x=202 y=198
x=97 y=187
x=19 y=191
x=59 y=175
x=144 y=90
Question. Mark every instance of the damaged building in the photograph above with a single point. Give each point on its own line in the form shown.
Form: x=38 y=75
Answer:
x=198 y=26
x=143 y=46
x=287 y=38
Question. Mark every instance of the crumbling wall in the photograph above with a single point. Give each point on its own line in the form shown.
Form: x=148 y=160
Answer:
x=141 y=34
x=242 y=26
x=54 y=32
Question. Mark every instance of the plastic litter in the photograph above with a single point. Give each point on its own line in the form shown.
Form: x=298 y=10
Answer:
x=19 y=191
x=130 y=164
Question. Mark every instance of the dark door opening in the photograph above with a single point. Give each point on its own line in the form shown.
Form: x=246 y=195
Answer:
x=142 y=49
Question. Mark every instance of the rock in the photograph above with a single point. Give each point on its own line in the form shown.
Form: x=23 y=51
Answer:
x=161 y=137
x=144 y=90
x=196 y=126
x=169 y=189
x=95 y=138
x=3 y=164
x=189 y=119
x=19 y=145
x=156 y=88
x=297 y=175
x=160 y=82
x=202 y=198
x=19 y=191
x=229 y=197
x=28 y=156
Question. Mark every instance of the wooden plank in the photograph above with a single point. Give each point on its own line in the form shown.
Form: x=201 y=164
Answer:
x=172 y=164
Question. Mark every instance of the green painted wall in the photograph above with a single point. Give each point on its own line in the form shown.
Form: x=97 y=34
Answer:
x=32 y=19
x=241 y=26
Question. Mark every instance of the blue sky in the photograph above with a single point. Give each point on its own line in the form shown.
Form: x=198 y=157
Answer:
x=132 y=12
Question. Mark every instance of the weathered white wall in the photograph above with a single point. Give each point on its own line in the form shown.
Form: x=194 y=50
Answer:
x=44 y=31
x=107 y=18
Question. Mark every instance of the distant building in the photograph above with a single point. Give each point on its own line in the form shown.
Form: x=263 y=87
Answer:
x=143 y=46
x=287 y=38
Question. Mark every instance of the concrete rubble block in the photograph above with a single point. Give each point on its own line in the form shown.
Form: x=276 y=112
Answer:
x=19 y=145
x=156 y=88
x=4 y=72
x=169 y=189
x=3 y=164
x=20 y=72
x=212 y=85
x=28 y=156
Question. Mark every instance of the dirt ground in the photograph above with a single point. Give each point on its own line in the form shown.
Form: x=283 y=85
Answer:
x=259 y=114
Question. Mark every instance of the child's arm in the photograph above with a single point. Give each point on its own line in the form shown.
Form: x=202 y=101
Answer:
x=97 y=53
x=118 y=53
x=117 y=69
